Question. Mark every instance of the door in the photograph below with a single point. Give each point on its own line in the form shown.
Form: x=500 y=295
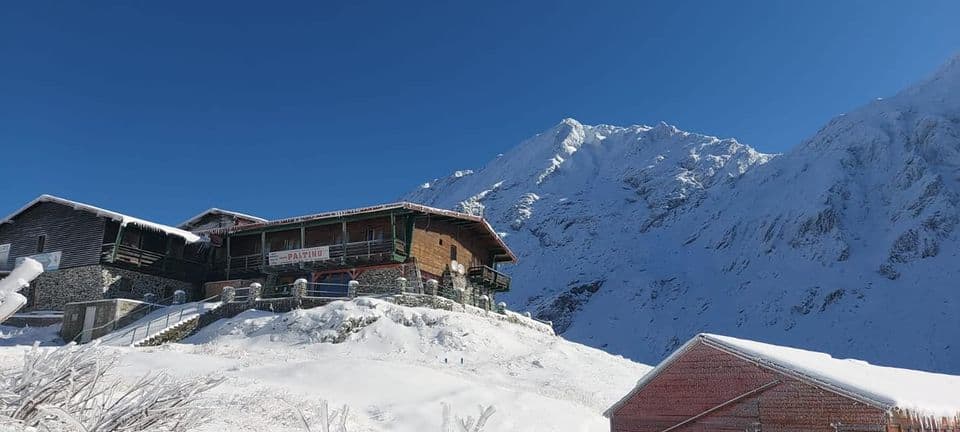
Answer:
x=89 y=318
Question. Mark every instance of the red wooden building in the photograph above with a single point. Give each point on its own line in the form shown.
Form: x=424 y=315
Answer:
x=719 y=383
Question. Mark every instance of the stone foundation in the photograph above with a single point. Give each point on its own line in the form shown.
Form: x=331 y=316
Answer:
x=53 y=290
x=455 y=285
x=383 y=280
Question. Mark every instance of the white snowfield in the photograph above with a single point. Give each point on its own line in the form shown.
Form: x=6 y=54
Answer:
x=637 y=238
x=393 y=366
x=917 y=392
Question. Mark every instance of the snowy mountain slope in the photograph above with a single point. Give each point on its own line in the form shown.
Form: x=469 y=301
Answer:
x=634 y=239
x=393 y=366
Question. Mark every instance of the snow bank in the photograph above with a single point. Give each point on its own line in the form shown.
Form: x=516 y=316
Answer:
x=919 y=393
x=395 y=366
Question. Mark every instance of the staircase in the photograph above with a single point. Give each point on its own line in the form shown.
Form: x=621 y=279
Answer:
x=168 y=324
x=182 y=329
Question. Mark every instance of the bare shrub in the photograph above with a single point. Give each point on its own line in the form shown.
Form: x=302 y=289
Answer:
x=71 y=388
x=468 y=424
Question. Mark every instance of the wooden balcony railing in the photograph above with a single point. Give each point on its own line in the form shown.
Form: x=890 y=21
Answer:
x=488 y=277
x=374 y=250
x=149 y=261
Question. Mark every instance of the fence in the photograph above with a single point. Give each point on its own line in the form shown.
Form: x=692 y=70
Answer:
x=174 y=316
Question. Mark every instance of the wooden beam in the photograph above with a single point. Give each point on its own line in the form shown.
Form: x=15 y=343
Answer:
x=263 y=249
x=343 y=241
x=116 y=244
x=228 y=257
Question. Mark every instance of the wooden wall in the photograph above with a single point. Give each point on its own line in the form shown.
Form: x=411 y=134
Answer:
x=432 y=240
x=77 y=234
x=705 y=377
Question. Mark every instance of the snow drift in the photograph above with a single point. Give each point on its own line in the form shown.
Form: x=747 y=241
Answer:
x=395 y=367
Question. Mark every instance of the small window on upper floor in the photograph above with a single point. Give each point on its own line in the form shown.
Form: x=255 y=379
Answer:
x=41 y=242
x=441 y=242
x=453 y=253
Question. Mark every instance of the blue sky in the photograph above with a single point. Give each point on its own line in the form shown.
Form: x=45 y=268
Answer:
x=162 y=109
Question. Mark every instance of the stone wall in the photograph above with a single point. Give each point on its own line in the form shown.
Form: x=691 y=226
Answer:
x=452 y=282
x=122 y=283
x=53 y=290
x=383 y=280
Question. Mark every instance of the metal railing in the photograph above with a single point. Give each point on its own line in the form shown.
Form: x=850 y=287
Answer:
x=128 y=318
x=163 y=322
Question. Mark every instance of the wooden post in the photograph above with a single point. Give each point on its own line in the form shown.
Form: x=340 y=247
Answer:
x=116 y=244
x=411 y=221
x=229 y=258
x=263 y=249
x=303 y=244
x=343 y=241
x=393 y=234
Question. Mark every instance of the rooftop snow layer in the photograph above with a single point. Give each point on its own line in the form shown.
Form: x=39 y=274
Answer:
x=188 y=236
x=921 y=393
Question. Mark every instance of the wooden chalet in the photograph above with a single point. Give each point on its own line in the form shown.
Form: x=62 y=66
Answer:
x=213 y=218
x=373 y=245
x=719 y=383
x=89 y=252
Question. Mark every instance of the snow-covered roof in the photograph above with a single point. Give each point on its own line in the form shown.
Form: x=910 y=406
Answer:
x=919 y=393
x=188 y=236
x=214 y=210
x=383 y=207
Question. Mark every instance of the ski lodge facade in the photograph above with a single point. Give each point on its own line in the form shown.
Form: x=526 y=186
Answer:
x=91 y=254
x=719 y=383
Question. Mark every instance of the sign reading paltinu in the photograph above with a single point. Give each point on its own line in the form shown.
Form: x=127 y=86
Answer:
x=319 y=253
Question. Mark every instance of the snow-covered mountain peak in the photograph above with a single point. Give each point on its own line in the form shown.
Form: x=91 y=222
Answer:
x=636 y=238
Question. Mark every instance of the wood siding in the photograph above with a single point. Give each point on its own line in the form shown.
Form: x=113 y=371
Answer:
x=704 y=377
x=432 y=242
x=78 y=235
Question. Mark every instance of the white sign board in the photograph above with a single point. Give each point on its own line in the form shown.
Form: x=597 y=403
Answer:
x=319 y=253
x=50 y=260
x=4 y=253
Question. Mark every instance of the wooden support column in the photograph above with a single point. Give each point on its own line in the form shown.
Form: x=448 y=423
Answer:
x=303 y=242
x=393 y=233
x=343 y=241
x=228 y=257
x=116 y=243
x=263 y=250
x=411 y=221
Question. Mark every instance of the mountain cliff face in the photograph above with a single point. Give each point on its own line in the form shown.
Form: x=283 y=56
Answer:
x=635 y=238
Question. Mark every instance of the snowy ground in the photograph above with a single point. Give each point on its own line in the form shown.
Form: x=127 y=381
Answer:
x=393 y=366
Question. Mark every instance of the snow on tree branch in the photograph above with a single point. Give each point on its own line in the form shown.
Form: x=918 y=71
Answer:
x=70 y=388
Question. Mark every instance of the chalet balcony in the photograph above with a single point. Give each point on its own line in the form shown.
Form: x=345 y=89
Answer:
x=488 y=277
x=373 y=251
x=150 y=262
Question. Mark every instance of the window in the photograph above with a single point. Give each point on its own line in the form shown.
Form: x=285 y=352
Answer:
x=441 y=242
x=453 y=253
x=41 y=242
x=374 y=234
